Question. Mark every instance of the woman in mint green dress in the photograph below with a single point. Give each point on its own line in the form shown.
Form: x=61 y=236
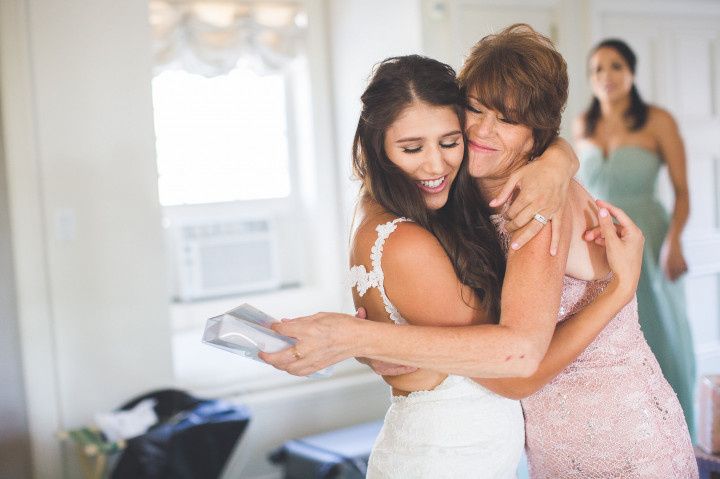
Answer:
x=622 y=144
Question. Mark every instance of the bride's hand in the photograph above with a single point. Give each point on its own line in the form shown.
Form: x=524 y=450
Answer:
x=543 y=186
x=323 y=339
x=623 y=244
x=386 y=369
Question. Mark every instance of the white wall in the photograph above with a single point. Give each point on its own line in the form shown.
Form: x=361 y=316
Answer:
x=14 y=433
x=452 y=27
x=91 y=70
x=84 y=212
x=359 y=37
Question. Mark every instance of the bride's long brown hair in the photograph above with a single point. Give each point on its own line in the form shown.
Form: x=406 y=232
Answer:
x=463 y=225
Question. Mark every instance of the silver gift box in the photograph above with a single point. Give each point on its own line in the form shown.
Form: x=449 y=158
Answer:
x=246 y=331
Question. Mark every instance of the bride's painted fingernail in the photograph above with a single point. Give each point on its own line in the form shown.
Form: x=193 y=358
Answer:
x=603 y=212
x=515 y=246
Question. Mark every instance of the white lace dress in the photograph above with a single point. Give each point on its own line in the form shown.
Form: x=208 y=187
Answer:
x=458 y=430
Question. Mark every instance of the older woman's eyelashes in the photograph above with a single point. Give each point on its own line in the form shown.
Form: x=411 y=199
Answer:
x=471 y=108
x=478 y=111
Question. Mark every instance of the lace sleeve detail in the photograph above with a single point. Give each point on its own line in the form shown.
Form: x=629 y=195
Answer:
x=363 y=280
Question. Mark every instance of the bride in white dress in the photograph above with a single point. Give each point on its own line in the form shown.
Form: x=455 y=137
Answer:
x=408 y=152
x=456 y=429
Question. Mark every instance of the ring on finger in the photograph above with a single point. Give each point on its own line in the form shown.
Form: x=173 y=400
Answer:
x=540 y=218
x=296 y=354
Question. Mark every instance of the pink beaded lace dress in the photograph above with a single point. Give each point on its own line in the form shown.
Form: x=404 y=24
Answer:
x=611 y=413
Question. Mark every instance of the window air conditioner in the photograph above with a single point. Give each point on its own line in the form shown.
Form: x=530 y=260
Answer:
x=221 y=257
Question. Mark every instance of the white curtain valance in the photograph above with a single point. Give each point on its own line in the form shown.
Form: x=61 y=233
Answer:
x=211 y=37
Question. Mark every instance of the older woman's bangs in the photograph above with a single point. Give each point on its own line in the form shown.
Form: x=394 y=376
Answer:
x=494 y=86
x=518 y=73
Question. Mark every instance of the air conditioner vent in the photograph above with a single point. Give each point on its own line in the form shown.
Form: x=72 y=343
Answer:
x=221 y=257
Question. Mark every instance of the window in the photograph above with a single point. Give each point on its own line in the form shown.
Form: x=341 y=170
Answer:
x=240 y=100
x=229 y=91
x=222 y=74
x=222 y=138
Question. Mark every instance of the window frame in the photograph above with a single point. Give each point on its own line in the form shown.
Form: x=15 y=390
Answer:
x=317 y=199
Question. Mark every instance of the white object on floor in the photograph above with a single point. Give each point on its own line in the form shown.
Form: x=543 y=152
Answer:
x=127 y=424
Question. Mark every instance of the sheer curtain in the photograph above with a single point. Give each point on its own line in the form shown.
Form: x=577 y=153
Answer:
x=209 y=37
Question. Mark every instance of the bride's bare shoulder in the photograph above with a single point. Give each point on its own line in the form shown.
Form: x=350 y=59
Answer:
x=405 y=237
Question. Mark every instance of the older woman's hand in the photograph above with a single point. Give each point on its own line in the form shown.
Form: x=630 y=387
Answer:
x=543 y=186
x=323 y=339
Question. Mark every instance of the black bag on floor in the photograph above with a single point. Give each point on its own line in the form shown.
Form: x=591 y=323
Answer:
x=193 y=438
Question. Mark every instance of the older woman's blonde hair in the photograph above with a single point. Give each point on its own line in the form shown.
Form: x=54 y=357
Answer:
x=519 y=73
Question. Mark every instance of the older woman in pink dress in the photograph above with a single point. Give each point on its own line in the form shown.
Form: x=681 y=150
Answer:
x=610 y=413
x=597 y=405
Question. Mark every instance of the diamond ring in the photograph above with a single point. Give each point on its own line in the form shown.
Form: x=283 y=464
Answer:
x=540 y=218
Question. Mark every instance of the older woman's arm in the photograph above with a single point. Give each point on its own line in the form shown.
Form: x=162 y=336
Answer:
x=624 y=247
x=572 y=336
x=515 y=347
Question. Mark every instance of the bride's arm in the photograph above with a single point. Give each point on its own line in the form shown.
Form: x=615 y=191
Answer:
x=407 y=282
x=512 y=348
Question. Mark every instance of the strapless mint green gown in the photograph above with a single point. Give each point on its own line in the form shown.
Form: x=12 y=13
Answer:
x=627 y=179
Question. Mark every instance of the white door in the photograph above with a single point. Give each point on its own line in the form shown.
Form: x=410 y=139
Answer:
x=678 y=53
x=452 y=27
